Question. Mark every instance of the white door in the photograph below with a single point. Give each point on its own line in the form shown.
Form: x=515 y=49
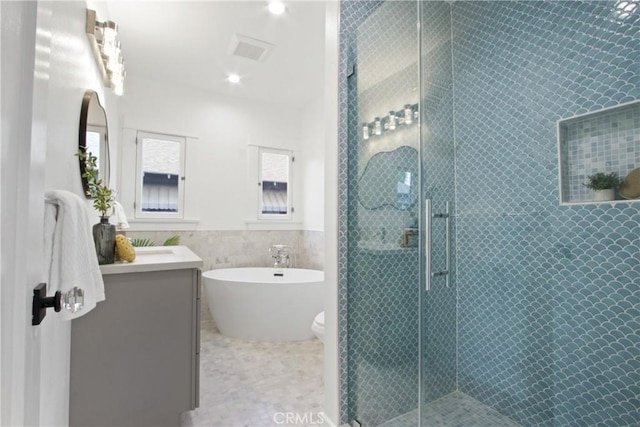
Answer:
x=24 y=79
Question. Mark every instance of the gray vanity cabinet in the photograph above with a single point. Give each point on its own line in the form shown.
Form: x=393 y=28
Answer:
x=135 y=357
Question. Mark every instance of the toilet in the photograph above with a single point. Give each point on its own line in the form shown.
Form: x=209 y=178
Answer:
x=318 y=326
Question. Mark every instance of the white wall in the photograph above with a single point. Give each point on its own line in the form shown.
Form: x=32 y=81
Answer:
x=220 y=130
x=72 y=71
x=19 y=145
x=312 y=134
x=331 y=350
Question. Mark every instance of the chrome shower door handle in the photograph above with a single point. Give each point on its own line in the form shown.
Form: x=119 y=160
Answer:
x=427 y=244
x=429 y=215
x=448 y=243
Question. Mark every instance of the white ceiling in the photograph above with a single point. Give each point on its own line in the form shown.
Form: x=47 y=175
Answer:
x=188 y=43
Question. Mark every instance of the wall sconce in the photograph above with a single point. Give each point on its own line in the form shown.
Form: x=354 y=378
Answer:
x=407 y=115
x=103 y=38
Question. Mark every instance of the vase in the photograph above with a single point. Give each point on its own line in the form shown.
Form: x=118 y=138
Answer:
x=104 y=238
x=604 y=195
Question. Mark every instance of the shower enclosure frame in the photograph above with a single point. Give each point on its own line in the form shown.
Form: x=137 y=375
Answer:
x=558 y=239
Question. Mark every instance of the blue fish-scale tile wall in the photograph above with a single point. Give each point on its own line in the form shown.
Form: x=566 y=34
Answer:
x=548 y=294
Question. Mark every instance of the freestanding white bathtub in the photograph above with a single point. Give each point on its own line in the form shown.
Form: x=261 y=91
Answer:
x=265 y=304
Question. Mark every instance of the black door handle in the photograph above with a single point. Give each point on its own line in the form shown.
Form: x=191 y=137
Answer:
x=41 y=302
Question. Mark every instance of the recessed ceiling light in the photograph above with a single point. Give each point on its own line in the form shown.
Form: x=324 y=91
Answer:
x=276 y=7
x=233 y=78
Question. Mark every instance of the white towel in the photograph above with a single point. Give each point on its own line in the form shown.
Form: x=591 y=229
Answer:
x=120 y=218
x=70 y=251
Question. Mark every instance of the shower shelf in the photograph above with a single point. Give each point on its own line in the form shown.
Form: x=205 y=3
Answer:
x=606 y=140
x=383 y=248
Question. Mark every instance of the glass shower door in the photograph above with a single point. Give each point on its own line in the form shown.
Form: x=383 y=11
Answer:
x=383 y=216
x=438 y=331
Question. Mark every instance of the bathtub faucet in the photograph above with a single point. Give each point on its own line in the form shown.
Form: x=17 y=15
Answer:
x=280 y=255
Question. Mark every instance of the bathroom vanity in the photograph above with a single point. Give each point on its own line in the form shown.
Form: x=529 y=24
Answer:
x=135 y=357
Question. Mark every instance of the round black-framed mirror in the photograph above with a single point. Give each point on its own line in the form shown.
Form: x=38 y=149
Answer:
x=94 y=136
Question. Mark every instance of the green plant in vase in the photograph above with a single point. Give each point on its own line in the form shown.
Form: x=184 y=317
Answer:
x=603 y=185
x=104 y=233
x=101 y=194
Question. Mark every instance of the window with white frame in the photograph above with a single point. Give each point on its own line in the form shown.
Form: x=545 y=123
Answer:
x=160 y=176
x=274 y=185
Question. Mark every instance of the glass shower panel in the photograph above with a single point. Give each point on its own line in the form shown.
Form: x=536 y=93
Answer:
x=383 y=216
x=438 y=311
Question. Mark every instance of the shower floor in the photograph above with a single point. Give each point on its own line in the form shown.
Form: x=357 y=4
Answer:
x=454 y=410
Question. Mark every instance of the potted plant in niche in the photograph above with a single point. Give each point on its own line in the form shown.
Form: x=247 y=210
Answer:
x=603 y=185
x=104 y=233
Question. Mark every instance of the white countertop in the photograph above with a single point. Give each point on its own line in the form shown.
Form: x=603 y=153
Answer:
x=156 y=258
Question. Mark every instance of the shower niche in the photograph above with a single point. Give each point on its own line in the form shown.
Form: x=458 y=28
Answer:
x=604 y=141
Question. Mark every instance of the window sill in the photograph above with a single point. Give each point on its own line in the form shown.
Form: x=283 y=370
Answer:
x=159 y=224
x=266 y=224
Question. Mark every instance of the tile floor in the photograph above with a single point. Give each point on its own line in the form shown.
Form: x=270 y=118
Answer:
x=257 y=384
x=262 y=384
x=454 y=410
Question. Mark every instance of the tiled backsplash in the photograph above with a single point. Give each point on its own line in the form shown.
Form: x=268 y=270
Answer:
x=243 y=248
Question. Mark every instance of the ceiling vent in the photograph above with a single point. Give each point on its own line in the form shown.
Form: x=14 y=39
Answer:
x=250 y=48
